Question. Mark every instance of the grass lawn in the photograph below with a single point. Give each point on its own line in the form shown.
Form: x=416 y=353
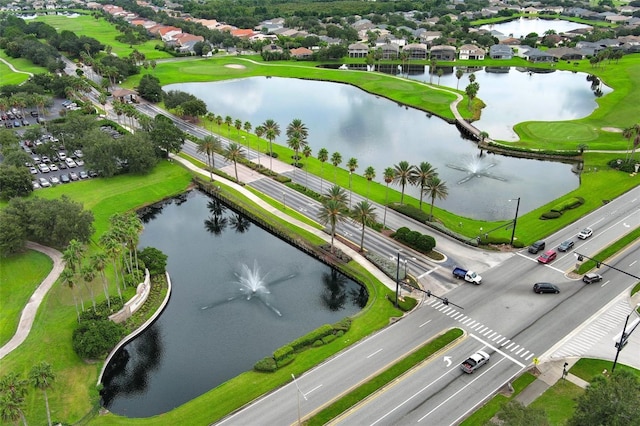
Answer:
x=104 y=32
x=559 y=401
x=19 y=277
x=10 y=77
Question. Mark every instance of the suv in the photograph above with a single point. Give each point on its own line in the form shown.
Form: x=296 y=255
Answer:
x=585 y=233
x=547 y=257
x=545 y=288
x=591 y=278
x=536 y=247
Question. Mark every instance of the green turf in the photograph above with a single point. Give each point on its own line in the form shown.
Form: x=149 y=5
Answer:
x=559 y=401
x=20 y=275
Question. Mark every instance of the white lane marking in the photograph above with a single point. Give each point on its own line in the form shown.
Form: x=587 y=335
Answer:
x=494 y=333
x=515 y=347
x=461 y=389
x=530 y=355
x=497 y=350
x=409 y=399
x=424 y=323
x=524 y=354
x=373 y=354
x=633 y=263
x=605 y=283
x=520 y=350
x=312 y=390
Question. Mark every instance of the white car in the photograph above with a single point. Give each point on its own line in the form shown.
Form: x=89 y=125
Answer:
x=54 y=180
x=44 y=183
x=70 y=162
x=53 y=167
x=44 y=168
x=585 y=233
x=79 y=162
x=62 y=156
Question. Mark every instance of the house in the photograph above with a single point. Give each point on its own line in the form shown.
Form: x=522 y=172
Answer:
x=390 y=51
x=566 y=53
x=427 y=37
x=358 y=50
x=500 y=51
x=186 y=41
x=301 y=53
x=443 y=53
x=617 y=19
x=537 y=55
x=471 y=51
x=167 y=33
x=416 y=51
x=244 y=34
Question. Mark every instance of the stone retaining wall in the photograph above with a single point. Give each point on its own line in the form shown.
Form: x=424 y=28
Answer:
x=133 y=304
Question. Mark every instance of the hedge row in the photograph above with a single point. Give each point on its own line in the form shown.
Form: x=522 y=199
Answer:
x=284 y=355
x=557 y=210
x=414 y=239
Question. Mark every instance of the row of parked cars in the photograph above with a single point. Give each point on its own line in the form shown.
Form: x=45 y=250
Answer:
x=63 y=178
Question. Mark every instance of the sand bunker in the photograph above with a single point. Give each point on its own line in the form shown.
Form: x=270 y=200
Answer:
x=235 y=66
x=612 y=129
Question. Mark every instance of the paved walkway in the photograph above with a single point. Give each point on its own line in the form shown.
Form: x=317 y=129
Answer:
x=14 y=69
x=31 y=308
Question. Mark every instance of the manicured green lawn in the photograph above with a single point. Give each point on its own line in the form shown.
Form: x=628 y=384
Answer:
x=10 y=77
x=104 y=32
x=19 y=277
x=559 y=401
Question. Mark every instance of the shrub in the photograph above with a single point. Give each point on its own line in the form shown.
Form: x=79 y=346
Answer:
x=426 y=243
x=412 y=212
x=550 y=215
x=317 y=343
x=267 y=365
x=311 y=337
x=340 y=333
x=343 y=325
x=285 y=361
x=95 y=338
x=282 y=352
x=328 y=339
x=154 y=260
x=412 y=237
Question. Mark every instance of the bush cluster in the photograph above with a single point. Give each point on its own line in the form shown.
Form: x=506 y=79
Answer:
x=412 y=212
x=95 y=338
x=414 y=239
x=627 y=166
x=557 y=210
x=286 y=354
x=337 y=253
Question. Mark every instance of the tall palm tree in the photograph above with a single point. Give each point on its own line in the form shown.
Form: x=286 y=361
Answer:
x=294 y=141
x=364 y=213
x=433 y=63
x=333 y=212
x=436 y=188
x=228 y=120
x=323 y=156
x=632 y=134
x=459 y=74
x=113 y=249
x=68 y=278
x=247 y=128
x=389 y=173
x=403 y=175
x=306 y=151
x=272 y=131
x=13 y=390
x=209 y=145
x=41 y=377
x=99 y=263
x=352 y=165
x=369 y=174
x=337 y=193
x=219 y=120
x=259 y=132
x=211 y=117
x=420 y=175
x=234 y=152
x=297 y=126
x=336 y=159
x=238 y=125
x=88 y=275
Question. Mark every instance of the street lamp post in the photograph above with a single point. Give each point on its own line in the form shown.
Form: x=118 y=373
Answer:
x=515 y=221
x=623 y=338
x=398 y=277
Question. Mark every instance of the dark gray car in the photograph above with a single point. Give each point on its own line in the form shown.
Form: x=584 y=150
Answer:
x=536 y=247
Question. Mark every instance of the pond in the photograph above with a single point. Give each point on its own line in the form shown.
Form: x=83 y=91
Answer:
x=521 y=27
x=380 y=133
x=239 y=293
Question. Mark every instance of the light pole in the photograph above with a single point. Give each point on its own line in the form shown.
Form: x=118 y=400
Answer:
x=350 y=191
x=398 y=276
x=299 y=393
x=284 y=200
x=515 y=221
x=624 y=337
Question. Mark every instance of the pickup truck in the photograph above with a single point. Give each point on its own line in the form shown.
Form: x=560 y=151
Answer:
x=474 y=362
x=468 y=276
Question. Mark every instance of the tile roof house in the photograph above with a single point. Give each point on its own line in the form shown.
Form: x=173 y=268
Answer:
x=301 y=53
x=500 y=51
x=242 y=33
x=443 y=53
x=416 y=50
x=167 y=33
x=186 y=41
x=358 y=50
x=471 y=51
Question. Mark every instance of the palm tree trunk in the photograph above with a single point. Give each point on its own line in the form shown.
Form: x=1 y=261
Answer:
x=362 y=238
x=46 y=403
x=433 y=200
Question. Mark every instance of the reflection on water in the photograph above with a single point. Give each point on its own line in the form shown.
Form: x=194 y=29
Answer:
x=380 y=133
x=213 y=327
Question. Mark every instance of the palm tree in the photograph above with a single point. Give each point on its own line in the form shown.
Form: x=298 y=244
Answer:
x=403 y=175
x=439 y=72
x=41 y=377
x=68 y=278
x=112 y=249
x=306 y=151
x=247 y=128
x=211 y=117
x=209 y=145
x=336 y=159
x=323 y=156
x=238 y=125
x=433 y=63
x=389 y=173
x=272 y=131
x=333 y=212
x=364 y=213
x=99 y=263
x=259 y=132
x=459 y=74
x=420 y=176
x=294 y=142
x=336 y=193
x=352 y=165
x=297 y=126
x=219 y=121
x=234 y=152
x=483 y=135
x=88 y=275
x=632 y=134
x=436 y=189
x=13 y=391
x=369 y=174
x=228 y=120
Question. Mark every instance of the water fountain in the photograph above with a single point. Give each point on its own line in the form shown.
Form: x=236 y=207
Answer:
x=476 y=166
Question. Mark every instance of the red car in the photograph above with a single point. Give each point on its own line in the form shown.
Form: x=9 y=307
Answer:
x=547 y=256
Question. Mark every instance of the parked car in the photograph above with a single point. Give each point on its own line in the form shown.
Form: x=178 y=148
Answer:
x=545 y=288
x=536 y=247
x=36 y=184
x=62 y=165
x=591 y=278
x=64 y=178
x=70 y=162
x=54 y=180
x=78 y=153
x=44 y=168
x=83 y=175
x=585 y=233
x=53 y=167
x=25 y=122
x=62 y=155
x=73 y=176
x=565 y=245
x=16 y=123
x=33 y=170
x=548 y=256
x=79 y=162
x=92 y=173
x=44 y=183
x=34 y=113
